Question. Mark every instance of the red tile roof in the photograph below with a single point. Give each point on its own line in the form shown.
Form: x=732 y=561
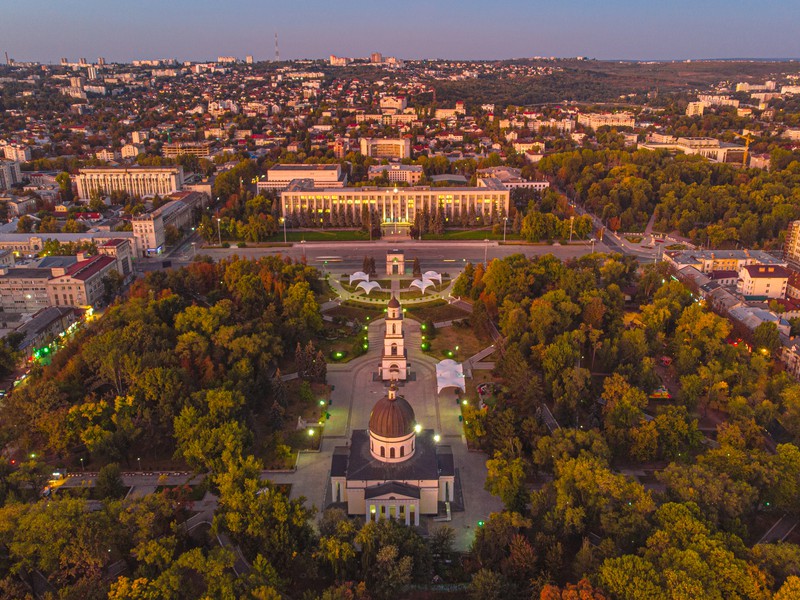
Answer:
x=85 y=269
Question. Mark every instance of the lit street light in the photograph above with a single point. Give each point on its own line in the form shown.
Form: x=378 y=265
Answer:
x=283 y=220
x=505 y=222
x=219 y=232
x=139 y=460
x=485 y=250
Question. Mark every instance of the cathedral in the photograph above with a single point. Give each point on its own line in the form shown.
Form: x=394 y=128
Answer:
x=394 y=469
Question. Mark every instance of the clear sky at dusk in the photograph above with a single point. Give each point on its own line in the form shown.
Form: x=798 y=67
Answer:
x=45 y=30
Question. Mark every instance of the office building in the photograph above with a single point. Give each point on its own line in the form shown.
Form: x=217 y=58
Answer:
x=136 y=181
x=791 y=247
x=386 y=148
x=707 y=261
x=324 y=176
x=709 y=148
x=511 y=178
x=80 y=284
x=398 y=205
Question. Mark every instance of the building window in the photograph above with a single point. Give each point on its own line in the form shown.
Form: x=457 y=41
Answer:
x=383 y=451
x=391 y=453
x=402 y=451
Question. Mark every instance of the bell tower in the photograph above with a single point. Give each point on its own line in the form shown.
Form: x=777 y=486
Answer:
x=394 y=362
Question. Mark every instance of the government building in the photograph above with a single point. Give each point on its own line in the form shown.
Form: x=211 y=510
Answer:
x=399 y=148
x=136 y=181
x=398 y=205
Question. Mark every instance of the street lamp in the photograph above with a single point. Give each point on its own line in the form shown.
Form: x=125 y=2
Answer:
x=571 y=221
x=139 y=460
x=593 y=241
x=283 y=220
x=505 y=222
x=219 y=231
x=485 y=250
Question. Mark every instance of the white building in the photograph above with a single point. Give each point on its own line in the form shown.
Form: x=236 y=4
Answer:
x=132 y=150
x=398 y=205
x=324 y=176
x=695 y=109
x=511 y=178
x=394 y=361
x=136 y=181
x=763 y=281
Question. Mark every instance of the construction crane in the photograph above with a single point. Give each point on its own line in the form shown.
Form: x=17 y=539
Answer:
x=747 y=138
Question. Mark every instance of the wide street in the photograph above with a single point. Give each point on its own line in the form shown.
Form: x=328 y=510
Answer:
x=349 y=256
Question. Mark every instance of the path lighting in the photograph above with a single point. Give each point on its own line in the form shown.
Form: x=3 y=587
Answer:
x=366 y=346
x=436 y=438
x=417 y=428
x=464 y=402
x=322 y=402
x=311 y=432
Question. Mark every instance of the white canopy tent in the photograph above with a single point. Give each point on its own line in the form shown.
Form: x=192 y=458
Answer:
x=368 y=286
x=358 y=276
x=432 y=275
x=449 y=373
x=422 y=284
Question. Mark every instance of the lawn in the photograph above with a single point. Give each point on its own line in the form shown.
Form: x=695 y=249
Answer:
x=322 y=235
x=340 y=338
x=464 y=337
x=438 y=310
x=470 y=234
x=353 y=311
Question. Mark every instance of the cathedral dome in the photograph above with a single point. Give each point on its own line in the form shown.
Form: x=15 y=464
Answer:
x=394 y=302
x=392 y=417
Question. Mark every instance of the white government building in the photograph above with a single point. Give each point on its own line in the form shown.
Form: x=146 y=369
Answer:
x=398 y=205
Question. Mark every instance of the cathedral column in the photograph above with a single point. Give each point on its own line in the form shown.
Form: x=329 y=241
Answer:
x=416 y=515
x=408 y=515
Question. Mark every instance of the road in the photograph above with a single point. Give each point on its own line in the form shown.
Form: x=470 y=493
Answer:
x=349 y=256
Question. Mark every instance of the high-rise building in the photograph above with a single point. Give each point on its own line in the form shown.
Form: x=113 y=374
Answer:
x=18 y=153
x=248 y=59
x=376 y=57
x=791 y=248
x=10 y=174
x=101 y=61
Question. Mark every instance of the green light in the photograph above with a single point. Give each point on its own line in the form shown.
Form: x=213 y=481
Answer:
x=338 y=355
x=322 y=402
x=481 y=523
x=365 y=328
x=366 y=346
x=424 y=327
x=450 y=353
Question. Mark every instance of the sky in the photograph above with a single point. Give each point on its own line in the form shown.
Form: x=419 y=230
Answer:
x=46 y=30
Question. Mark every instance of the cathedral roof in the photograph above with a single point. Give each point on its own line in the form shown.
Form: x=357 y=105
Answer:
x=392 y=416
x=394 y=302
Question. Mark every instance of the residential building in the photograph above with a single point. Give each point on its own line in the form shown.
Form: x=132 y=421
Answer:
x=386 y=148
x=150 y=228
x=713 y=100
x=791 y=247
x=27 y=244
x=80 y=284
x=24 y=289
x=137 y=181
x=44 y=326
x=17 y=153
x=595 y=120
x=10 y=174
x=122 y=251
x=758 y=282
x=201 y=149
x=107 y=155
x=324 y=176
x=695 y=109
x=140 y=137
x=410 y=174
x=18 y=205
x=132 y=150
x=398 y=205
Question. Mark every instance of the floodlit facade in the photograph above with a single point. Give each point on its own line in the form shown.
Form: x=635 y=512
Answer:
x=399 y=205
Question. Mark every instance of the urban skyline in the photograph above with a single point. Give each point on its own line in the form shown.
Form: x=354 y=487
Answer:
x=621 y=30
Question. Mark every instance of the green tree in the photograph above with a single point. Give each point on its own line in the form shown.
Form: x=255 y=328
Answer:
x=109 y=482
